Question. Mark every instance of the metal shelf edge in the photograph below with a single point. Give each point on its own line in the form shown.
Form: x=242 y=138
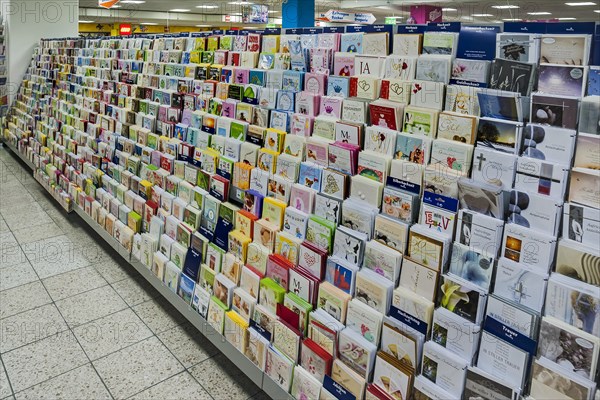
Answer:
x=18 y=154
x=234 y=355
x=218 y=340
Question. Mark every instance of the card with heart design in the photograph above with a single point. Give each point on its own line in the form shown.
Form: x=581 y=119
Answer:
x=365 y=86
x=427 y=94
x=312 y=259
x=399 y=67
x=396 y=89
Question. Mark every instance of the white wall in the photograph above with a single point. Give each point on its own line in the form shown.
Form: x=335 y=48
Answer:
x=26 y=22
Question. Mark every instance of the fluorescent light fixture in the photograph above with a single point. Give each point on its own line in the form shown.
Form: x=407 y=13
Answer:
x=85 y=21
x=448 y=9
x=273 y=11
x=597 y=11
x=481 y=15
x=249 y=27
x=539 y=13
x=506 y=7
x=148 y=23
x=239 y=3
x=180 y=10
x=203 y=26
x=581 y=3
x=566 y=19
x=511 y=19
x=207 y=6
x=132 y=2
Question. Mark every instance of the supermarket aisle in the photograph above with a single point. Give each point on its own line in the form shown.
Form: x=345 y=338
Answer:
x=77 y=323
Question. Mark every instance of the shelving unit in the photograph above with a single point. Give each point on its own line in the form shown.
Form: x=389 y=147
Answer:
x=244 y=364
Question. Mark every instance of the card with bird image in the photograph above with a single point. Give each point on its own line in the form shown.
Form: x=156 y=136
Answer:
x=364 y=320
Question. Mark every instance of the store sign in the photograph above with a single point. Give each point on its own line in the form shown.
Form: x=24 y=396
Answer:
x=351 y=18
x=125 y=29
x=107 y=3
x=390 y=21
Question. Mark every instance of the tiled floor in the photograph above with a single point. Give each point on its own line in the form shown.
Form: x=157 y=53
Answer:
x=77 y=323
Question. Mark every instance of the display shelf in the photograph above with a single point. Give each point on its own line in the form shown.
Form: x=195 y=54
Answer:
x=112 y=242
x=271 y=388
x=218 y=340
x=18 y=154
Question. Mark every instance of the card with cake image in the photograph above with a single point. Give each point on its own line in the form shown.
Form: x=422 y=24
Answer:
x=558 y=111
x=392 y=376
x=456 y=126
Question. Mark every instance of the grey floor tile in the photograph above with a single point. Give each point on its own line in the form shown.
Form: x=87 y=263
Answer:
x=158 y=315
x=42 y=360
x=23 y=298
x=73 y=283
x=30 y=326
x=17 y=220
x=78 y=384
x=53 y=256
x=16 y=275
x=135 y=290
x=90 y=305
x=111 y=333
x=5 y=390
x=113 y=270
x=20 y=208
x=187 y=344
x=182 y=386
x=137 y=367
x=35 y=233
x=3 y=226
x=223 y=380
x=10 y=250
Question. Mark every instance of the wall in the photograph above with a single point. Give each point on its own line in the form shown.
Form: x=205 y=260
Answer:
x=27 y=21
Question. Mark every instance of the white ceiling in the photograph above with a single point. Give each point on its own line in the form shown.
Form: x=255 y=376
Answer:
x=158 y=10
